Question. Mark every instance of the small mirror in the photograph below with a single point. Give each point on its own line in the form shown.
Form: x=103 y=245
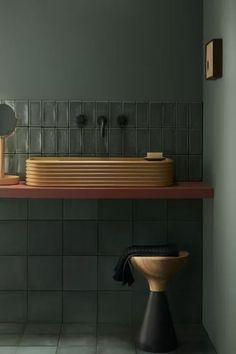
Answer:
x=7 y=120
x=7 y=127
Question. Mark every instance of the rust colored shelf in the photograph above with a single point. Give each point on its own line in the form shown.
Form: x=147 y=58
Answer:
x=181 y=190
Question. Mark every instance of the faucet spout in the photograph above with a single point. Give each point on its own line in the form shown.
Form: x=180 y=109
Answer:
x=102 y=121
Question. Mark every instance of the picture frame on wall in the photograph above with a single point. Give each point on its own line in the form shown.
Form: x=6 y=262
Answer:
x=213 y=59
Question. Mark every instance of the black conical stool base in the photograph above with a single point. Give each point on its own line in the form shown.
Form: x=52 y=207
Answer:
x=157 y=334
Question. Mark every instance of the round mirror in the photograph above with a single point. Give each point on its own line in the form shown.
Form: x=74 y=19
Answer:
x=7 y=120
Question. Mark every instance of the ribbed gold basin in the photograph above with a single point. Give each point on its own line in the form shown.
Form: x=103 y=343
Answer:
x=98 y=171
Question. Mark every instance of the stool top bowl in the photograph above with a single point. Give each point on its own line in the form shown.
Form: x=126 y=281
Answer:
x=158 y=269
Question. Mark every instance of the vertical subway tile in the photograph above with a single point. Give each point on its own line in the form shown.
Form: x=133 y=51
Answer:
x=22 y=140
x=156 y=115
x=35 y=140
x=115 y=141
x=102 y=109
x=75 y=138
x=88 y=142
x=195 y=141
x=75 y=110
x=169 y=136
x=101 y=142
x=62 y=141
x=10 y=163
x=169 y=115
x=195 y=118
x=22 y=113
x=156 y=140
x=182 y=115
x=49 y=114
x=10 y=144
x=181 y=167
x=49 y=141
x=13 y=209
x=130 y=112
x=20 y=165
x=182 y=141
x=142 y=141
x=62 y=114
x=142 y=115
x=35 y=113
x=195 y=167
x=89 y=111
x=115 y=111
x=130 y=136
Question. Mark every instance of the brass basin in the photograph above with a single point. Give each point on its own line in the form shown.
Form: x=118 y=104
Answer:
x=98 y=171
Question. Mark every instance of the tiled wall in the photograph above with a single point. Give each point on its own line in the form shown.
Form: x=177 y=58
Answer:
x=50 y=128
x=57 y=257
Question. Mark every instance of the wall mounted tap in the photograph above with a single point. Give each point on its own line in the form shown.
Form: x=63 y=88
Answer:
x=122 y=120
x=81 y=120
x=102 y=121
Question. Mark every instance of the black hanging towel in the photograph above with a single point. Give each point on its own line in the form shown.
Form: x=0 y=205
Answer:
x=122 y=270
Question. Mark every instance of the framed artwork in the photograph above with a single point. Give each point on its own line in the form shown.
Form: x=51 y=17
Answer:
x=213 y=59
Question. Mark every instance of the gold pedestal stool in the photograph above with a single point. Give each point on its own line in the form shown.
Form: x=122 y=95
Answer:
x=157 y=333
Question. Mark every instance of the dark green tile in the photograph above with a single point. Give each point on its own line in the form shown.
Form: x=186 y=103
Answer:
x=130 y=142
x=80 y=209
x=39 y=340
x=142 y=142
x=35 y=140
x=44 y=306
x=185 y=209
x=114 y=237
x=22 y=140
x=62 y=141
x=182 y=113
x=22 y=113
x=195 y=167
x=75 y=139
x=115 y=111
x=49 y=114
x=150 y=233
x=115 y=139
x=169 y=118
x=9 y=339
x=195 y=141
x=79 y=306
x=156 y=140
x=75 y=110
x=78 y=340
x=150 y=209
x=114 y=307
x=49 y=141
x=11 y=209
x=12 y=328
x=89 y=109
x=13 y=272
x=156 y=115
x=79 y=237
x=80 y=273
x=195 y=116
x=13 y=306
x=130 y=112
x=42 y=328
x=115 y=209
x=44 y=273
x=13 y=237
x=89 y=141
x=45 y=237
x=77 y=350
x=142 y=115
x=79 y=328
x=182 y=139
x=45 y=209
x=35 y=113
x=36 y=350
x=181 y=167
x=62 y=113
x=169 y=141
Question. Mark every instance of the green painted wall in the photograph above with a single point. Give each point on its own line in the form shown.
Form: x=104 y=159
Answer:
x=219 y=310
x=96 y=50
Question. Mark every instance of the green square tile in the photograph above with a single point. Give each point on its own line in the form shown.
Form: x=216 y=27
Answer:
x=45 y=237
x=79 y=237
x=42 y=328
x=80 y=273
x=39 y=340
x=11 y=328
x=11 y=209
x=77 y=350
x=148 y=209
x=80 y=306
x=44 y=306
x=150 y=232
x=185 y=209
x=13 y=272
x=45 y=273
x=8 y=350
x=115 y=209
x=115 y=341
x=80 y=209
x=9 y=339
x=114 y=307
x=13 y=237
x=36 y=350
x=114 y=237
x=77 y=340
x=79 y=328
x=45 y=209
x=13 y=306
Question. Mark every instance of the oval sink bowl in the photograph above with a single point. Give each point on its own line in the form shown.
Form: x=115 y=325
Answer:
x=98 y=172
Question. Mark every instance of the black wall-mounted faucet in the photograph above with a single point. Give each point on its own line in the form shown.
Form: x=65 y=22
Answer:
x=81 y=120
x=102 y=121
x=122 y=120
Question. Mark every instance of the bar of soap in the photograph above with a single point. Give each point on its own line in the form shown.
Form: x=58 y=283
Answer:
x=154 y=155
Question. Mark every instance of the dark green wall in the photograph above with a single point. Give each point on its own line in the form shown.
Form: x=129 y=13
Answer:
x=219 y=310
x=95 y=50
